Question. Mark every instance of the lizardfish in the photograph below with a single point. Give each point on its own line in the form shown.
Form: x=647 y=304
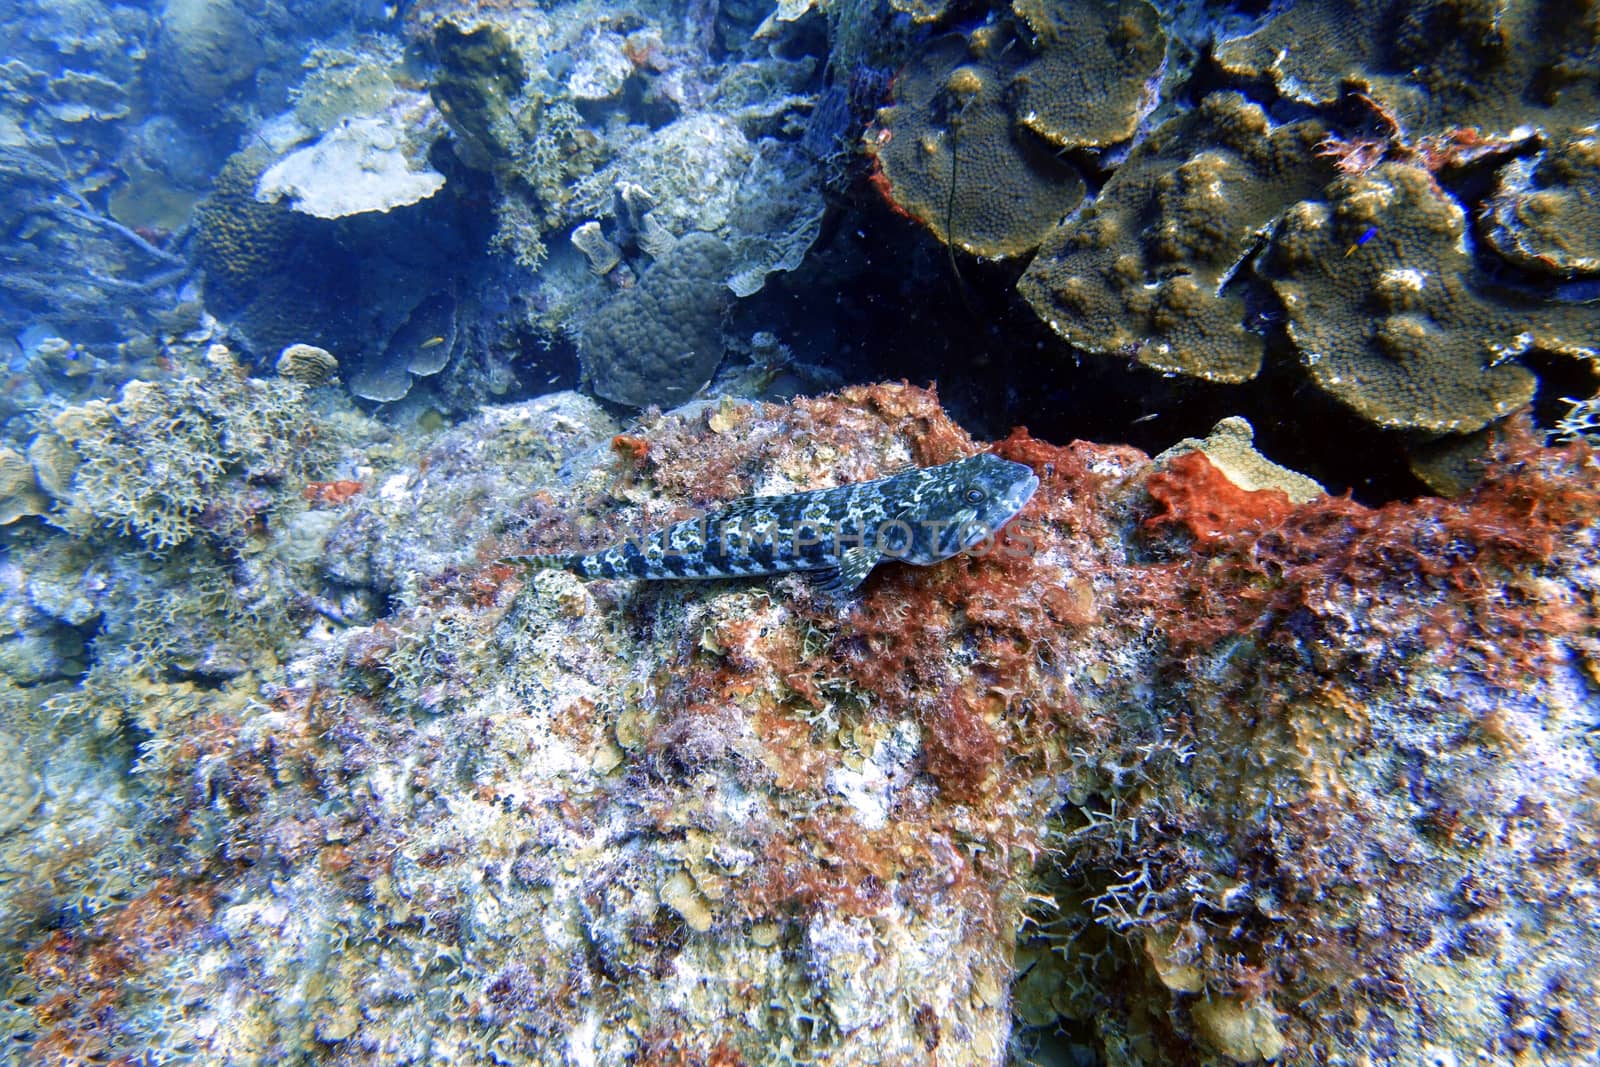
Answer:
x=918 y=516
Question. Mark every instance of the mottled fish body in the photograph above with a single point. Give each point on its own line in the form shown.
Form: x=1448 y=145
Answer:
x=918 y=516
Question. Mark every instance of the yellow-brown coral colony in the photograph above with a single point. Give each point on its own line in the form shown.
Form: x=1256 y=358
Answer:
x=1172 y=262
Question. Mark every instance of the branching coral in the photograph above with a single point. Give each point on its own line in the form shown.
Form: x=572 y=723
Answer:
x=167 y=459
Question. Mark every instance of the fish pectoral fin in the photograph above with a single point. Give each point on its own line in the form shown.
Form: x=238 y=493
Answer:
x=854 y=566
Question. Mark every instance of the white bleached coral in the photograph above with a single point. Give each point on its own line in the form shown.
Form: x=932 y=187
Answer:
x=365 y=163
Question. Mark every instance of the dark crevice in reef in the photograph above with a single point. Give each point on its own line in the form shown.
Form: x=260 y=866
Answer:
x=880 y=302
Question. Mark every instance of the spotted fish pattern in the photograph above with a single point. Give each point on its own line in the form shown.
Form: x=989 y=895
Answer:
x=919 y=516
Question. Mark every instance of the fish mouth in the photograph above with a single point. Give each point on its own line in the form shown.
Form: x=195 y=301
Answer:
x=1015 y=499
x=1020 y=494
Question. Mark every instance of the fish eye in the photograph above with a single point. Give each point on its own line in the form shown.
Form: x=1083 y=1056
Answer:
x=974 y=495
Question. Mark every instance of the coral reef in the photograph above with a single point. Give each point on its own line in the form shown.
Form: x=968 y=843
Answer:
x=971 y=145
x=598 y=249
x=511 y=121
x=239 y=240
x=607 y=137
x=1096 y=73
x=20 y=495
x=690 y=169
x=992 y=125
x=1377 y=287
x=372 y=287
x=1230 y=447
x=55 y=214
x=1193 y=763
x=420 y=347
x=1435 y=64
x=207 y=50
x=1144 y=271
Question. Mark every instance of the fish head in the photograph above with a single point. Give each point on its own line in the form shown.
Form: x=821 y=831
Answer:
x=958 y=505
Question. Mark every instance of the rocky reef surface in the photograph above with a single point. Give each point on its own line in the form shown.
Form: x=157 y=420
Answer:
x=1195 y=764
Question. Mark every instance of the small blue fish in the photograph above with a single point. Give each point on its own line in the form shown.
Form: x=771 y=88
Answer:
x=1371 y=232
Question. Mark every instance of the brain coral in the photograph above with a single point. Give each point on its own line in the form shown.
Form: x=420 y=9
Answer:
x=19 y=492
x=1144 y=269
x=1376 y=285
x=239 y=239
x=659 y=341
